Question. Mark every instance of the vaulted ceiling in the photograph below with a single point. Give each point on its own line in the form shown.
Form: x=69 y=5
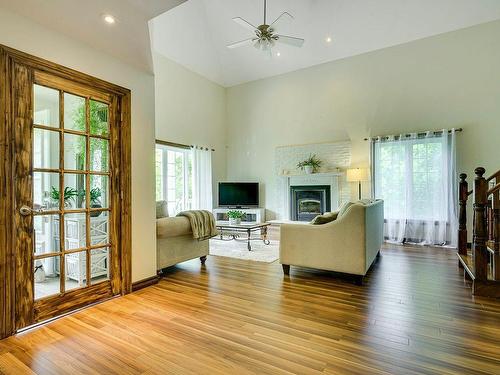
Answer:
x=195 y=33
x=127 y=40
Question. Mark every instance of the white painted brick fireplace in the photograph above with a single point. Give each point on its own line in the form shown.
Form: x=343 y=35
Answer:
x=336 y=157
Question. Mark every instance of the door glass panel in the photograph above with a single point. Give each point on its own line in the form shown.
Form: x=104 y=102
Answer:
x=46 y=234
x=74 y=152
x=46 y=106
x=99 y=191
x=74 y=191
x=76 y=269
x=77 y=129
x=46 y=277
x=99 y=118
x=45 y=149
x=99 y=265
x=74 y=112
x=74 y=231
x=99 y=228
x=45 y=191
x=99 y=155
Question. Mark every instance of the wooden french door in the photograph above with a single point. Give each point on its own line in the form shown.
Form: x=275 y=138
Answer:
x=71 y=236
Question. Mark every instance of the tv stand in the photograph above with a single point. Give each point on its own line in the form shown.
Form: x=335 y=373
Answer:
x=253 y=215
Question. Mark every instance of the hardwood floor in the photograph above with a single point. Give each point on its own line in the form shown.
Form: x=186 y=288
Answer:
x=413 y=315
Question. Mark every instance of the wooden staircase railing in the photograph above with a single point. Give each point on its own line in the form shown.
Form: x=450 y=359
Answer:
x=493 y=244
x=482 y=263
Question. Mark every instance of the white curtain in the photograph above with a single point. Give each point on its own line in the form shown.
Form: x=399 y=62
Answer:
x=416 y=176
x=202 y=178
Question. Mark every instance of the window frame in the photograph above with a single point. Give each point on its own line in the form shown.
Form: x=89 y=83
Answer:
x=187 y=154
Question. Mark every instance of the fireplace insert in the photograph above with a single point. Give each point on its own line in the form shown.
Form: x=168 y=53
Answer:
x=307 y=202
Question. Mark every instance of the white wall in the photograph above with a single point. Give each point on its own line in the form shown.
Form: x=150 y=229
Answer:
x=190 y=109
x=22 y=34
x=450 y=80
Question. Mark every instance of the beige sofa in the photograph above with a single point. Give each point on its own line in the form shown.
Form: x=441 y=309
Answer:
x=348 y=244
x=175 y=242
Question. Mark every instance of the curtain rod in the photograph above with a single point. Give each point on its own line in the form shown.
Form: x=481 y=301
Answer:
x=435 y=132
x=180 y=145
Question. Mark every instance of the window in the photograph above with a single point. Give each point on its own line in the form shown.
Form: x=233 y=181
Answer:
x=409 y=176
x=174 y=179
x=415 y=175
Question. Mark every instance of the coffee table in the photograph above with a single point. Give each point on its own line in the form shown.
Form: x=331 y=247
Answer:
x=233 y=231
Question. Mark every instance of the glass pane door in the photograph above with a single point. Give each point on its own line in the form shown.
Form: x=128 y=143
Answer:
x=72 y=241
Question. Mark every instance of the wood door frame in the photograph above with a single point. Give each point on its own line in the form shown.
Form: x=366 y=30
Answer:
x=8 y=59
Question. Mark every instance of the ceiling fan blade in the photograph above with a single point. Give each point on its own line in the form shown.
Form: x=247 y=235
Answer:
x=241 y=43
x=285 y=16
x=290 y=40
x=244 y=23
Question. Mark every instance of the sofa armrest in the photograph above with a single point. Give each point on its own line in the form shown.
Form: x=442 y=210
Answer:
x=172 y=227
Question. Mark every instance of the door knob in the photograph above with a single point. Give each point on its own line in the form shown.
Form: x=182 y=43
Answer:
x=25 y=211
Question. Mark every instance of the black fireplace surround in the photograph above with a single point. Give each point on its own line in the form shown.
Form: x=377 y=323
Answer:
x=307 y=202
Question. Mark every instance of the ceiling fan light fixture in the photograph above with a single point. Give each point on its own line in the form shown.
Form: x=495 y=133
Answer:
x=266 y=37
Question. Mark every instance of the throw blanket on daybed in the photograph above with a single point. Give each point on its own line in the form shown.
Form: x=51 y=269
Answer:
x=202 y=223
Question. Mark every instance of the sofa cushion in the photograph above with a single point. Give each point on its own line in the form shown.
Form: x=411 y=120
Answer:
x=172 y=227
x=161 y=209
x=325 y=218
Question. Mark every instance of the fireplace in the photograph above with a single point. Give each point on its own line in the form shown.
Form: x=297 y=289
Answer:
x=306 y=202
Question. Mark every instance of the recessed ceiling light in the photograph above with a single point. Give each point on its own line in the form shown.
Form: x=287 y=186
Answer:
x=328 y=39
x=278 y=54
x=109 y=19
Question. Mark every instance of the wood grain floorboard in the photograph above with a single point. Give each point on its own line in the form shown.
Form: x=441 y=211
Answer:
x=413 y=315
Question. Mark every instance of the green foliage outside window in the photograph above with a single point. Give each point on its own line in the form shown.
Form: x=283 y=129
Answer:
x=98 y=122
x=422 y=163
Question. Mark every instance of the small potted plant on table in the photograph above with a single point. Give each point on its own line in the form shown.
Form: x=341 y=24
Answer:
x=95 y=202
x=235 y=217
x=69 y=196
x=311 y=164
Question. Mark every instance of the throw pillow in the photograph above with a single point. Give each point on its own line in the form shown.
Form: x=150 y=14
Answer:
x=325 y=218
x=161 y=209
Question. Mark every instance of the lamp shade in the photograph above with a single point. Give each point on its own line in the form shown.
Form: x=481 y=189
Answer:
x=357 y=174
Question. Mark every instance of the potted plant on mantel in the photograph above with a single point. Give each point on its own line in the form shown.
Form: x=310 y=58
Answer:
x=311 y=164
x=235 y=217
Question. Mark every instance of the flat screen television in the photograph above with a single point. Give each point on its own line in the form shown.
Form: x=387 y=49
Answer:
x=239 y=194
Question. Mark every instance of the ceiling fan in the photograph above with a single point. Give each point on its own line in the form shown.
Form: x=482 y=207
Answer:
x=265 y=35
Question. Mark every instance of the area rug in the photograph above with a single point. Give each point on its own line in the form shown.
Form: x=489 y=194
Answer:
x=238 y=249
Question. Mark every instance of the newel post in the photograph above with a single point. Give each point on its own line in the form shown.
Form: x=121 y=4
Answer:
x=480 y=235
x=463 y=189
